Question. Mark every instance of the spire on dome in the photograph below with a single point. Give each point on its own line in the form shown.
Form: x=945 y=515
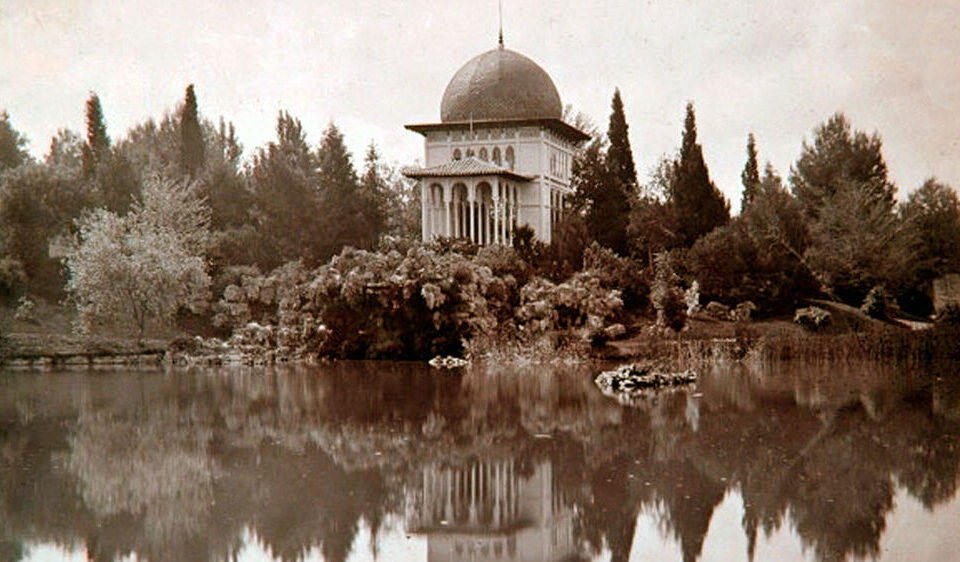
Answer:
x=500 y=42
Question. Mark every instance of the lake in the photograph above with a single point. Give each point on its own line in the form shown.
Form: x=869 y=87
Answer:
x=397 y=461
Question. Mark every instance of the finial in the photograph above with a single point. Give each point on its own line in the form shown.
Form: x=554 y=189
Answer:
x=500 y=4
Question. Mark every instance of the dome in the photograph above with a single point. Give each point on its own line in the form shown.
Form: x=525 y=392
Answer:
x=498 y=85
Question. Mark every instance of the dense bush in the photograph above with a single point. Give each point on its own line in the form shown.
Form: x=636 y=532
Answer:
x=615 y=272
x=581 y=304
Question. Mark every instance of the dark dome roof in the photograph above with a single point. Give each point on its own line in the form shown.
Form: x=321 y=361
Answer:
x=500 y=84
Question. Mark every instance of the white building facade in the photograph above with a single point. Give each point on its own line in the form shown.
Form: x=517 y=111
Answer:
x=501 y=155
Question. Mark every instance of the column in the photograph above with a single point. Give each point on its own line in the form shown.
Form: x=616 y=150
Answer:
x=496 y=218
x=424 y=212
x=484 y=212
x=446 y=218
x=472 y=207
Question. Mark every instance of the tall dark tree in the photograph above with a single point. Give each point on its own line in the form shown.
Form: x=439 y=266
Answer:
x=698 y=204
x=750 y=176
x=619 y=155
x=374 y=189
x=283 y=181
x=97 y=148
x=349 y=213
x=601 y=199
x=839 y=157
x=191 y=135
x=13 y=145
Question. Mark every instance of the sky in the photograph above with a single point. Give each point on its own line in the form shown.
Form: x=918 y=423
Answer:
x=776 y=68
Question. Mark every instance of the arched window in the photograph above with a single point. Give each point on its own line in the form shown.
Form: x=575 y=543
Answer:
x=456 y=154
x=469 y=153
x=496 y=155
x=510 y=158
x=483 y=154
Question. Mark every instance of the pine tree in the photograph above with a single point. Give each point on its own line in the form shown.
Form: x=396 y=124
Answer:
x=191 y=135
x=97 y=148
x=12 y=144
x=699 y=205
x=619 y=155
x=837 y=158
x=750 y=175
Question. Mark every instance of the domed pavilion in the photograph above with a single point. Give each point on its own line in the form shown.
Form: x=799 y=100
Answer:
x=501 y=155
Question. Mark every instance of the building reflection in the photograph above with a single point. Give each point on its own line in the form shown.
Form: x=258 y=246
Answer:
x=489 y=510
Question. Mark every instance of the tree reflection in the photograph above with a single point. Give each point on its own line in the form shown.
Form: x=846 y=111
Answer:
x=506 y=466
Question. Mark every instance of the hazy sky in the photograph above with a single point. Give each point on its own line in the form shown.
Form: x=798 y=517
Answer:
x=777 y=68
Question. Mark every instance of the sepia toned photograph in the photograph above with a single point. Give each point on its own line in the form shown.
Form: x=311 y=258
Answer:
x=479 y=281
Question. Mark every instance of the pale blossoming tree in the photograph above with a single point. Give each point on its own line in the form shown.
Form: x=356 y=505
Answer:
x=145 y=265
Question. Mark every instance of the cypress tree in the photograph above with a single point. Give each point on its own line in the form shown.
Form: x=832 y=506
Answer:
x=98 y=143
x=699 y=205
x=619 y=155
x=750 y=176
x=191 y=135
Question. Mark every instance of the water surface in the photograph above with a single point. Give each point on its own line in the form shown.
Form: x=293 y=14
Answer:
x=393 y=461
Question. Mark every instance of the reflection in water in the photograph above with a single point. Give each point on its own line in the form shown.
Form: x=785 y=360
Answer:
x=482 y=466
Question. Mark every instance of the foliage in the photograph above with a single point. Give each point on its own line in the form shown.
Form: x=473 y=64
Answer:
x=286 y=201
x=191 y=135
x=615 y=272
x=812 y=318
x=359 y=216
x=65 y=152
x=600 y=198
x=857 y=243
x=36 y=204
x=605 y=184
x=581 y=304
x=666 y=295
x=932 y=215
x=839 y=158
x=528 y=247
x=698 y=204
x=875 y=303
x=564 y=256
x=750 y=176
x=619 y=154
x=145 y=265
x=97 y=146
x=13 y=145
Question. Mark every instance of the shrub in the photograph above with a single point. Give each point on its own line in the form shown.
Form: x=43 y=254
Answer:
x=875 y=303
x=812 y=318
x=615 y=272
